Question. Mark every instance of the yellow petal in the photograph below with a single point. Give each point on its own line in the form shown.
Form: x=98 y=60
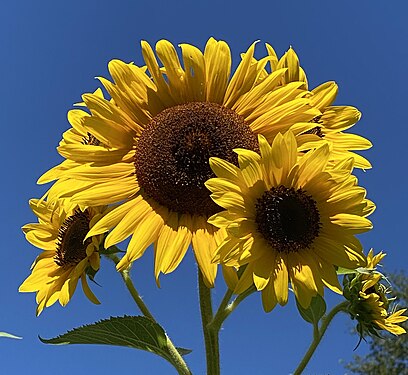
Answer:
x=263 y=268
x=230 y=276
x=335 y=253
x=136 y=213
x=195 y=74
x=241 y=81
x=145 y=234
x=353 y=223
x=290 y=60
x=280 y=279
x=112 y=219
x=217 y=57
x=87 y=290
x=158 y=79
x=329 y=277
x=245 y=280
x=324 y=95
x=304 y=277
x=106 y=192
x=250 y=102
x=172 y=244
x=174 y=72
x=269 y=300
x=250 y=165
x=68 y=290
x=223 y=219
x=229 y=171
x=204 y=247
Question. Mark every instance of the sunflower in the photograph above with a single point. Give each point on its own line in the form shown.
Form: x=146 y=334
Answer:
x=288 y=219
x=374 y=316
x=332 y=121
x=78 y=145
x=60 y=232
x=157 y=132
x=369 y=303
x=73 y=141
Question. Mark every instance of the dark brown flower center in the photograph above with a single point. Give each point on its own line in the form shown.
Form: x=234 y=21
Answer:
x=172 y=154
x=287 y=218
x=71 y=247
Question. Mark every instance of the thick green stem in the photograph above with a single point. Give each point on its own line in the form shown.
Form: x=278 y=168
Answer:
x=318 y=334
x=212 y=349
x=177 y=360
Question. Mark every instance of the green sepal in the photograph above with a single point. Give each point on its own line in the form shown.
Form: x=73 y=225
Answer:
x=91 y=274
x=136 y=332
x=347 y=271
x=315 y=311
x=110 y=250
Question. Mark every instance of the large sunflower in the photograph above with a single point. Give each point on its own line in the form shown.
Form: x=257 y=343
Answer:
x=60 y=232
x=152 y=140
x=288 y=219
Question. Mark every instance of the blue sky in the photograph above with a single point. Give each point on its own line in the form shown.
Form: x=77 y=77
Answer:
x=50 y=54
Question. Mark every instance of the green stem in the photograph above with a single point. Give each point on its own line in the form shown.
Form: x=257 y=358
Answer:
x=177 y=360
x=318 y=334
x=132 y=290
x=212 y=349
x=221 y=309
x=226 y=309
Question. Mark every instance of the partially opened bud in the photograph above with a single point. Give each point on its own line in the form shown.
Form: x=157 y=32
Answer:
x=370 y=303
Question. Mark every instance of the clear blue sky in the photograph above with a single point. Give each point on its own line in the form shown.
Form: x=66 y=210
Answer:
x=49 y=55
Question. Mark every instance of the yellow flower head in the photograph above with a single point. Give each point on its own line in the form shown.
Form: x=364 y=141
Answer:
x=369 y=303
x=288 y=219
x=67 y=256
x=148 y=145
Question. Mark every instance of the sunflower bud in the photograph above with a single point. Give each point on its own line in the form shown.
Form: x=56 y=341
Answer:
x=370 y=303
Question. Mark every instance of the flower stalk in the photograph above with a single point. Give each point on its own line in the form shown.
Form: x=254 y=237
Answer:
x=226 y=308
x=318 y=334
x=211 y=341
x=177 y=360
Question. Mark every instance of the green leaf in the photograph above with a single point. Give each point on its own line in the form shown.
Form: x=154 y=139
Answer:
x=136 y=332
x=315 y=311
x=9 y=335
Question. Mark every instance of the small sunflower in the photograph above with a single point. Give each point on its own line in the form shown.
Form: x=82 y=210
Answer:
x=72 y=147
x=329 y=126
x=159 y=129
x=369 y=303
x=288 y=219
x=67 y=257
